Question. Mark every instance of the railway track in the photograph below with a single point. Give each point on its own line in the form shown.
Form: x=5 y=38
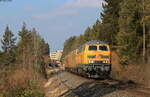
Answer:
x=78 y=86
x=70 y=89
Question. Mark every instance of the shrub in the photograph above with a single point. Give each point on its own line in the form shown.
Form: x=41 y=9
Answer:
x=21 y=82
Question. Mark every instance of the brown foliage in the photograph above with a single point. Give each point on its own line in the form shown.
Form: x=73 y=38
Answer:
x=137 y=73
x=20 y=78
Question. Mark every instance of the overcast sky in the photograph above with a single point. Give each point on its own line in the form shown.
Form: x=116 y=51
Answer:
x=55 y=20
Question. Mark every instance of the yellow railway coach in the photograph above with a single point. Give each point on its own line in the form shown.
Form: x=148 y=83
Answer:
x=93 y=59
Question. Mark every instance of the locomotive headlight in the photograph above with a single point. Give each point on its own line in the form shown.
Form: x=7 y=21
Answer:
x=91 y=61
x=105 y=61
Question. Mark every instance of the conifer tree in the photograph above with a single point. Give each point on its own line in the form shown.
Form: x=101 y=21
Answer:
x=22 y=47
x=110 y=16
x=68 y=45
x=8 y=47
x=129 y=36
x=8 y=41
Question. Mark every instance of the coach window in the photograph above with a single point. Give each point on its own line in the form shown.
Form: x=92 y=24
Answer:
x=92 y=48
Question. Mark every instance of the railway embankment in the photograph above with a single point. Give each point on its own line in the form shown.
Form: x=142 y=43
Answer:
x=65 y=84
x=136 y=73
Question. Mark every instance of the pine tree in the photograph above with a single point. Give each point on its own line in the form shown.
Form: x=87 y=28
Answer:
x=8 y=41
x=96 y=29
x=87 y=34
x=23 y=47
x=110 y=18
x=69 y=45
x=8 y=47
x=129 y=36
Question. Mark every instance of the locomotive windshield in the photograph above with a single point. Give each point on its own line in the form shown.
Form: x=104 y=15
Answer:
x=92 y=48
x=103 y=48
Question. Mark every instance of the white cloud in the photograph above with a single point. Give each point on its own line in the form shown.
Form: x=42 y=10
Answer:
x=70 y=7
x=84 y=3
x=60 y=12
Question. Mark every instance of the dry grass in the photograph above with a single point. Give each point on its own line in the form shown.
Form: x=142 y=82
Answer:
x=136 y=73
x=20 y=78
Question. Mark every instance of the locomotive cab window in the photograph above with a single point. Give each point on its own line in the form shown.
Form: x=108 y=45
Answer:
x=92 y=48
x=103 y=48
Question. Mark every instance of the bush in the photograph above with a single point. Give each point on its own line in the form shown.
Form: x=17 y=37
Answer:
x=21 y=82
x=32 y=91
x=138 y=73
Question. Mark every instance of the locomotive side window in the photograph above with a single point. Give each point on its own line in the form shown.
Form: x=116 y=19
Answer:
x=103 y=48
x=92 y=48
x=82 y=48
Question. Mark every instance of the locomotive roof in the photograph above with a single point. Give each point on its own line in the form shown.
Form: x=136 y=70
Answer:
x=89 y=42
x=95 y=41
